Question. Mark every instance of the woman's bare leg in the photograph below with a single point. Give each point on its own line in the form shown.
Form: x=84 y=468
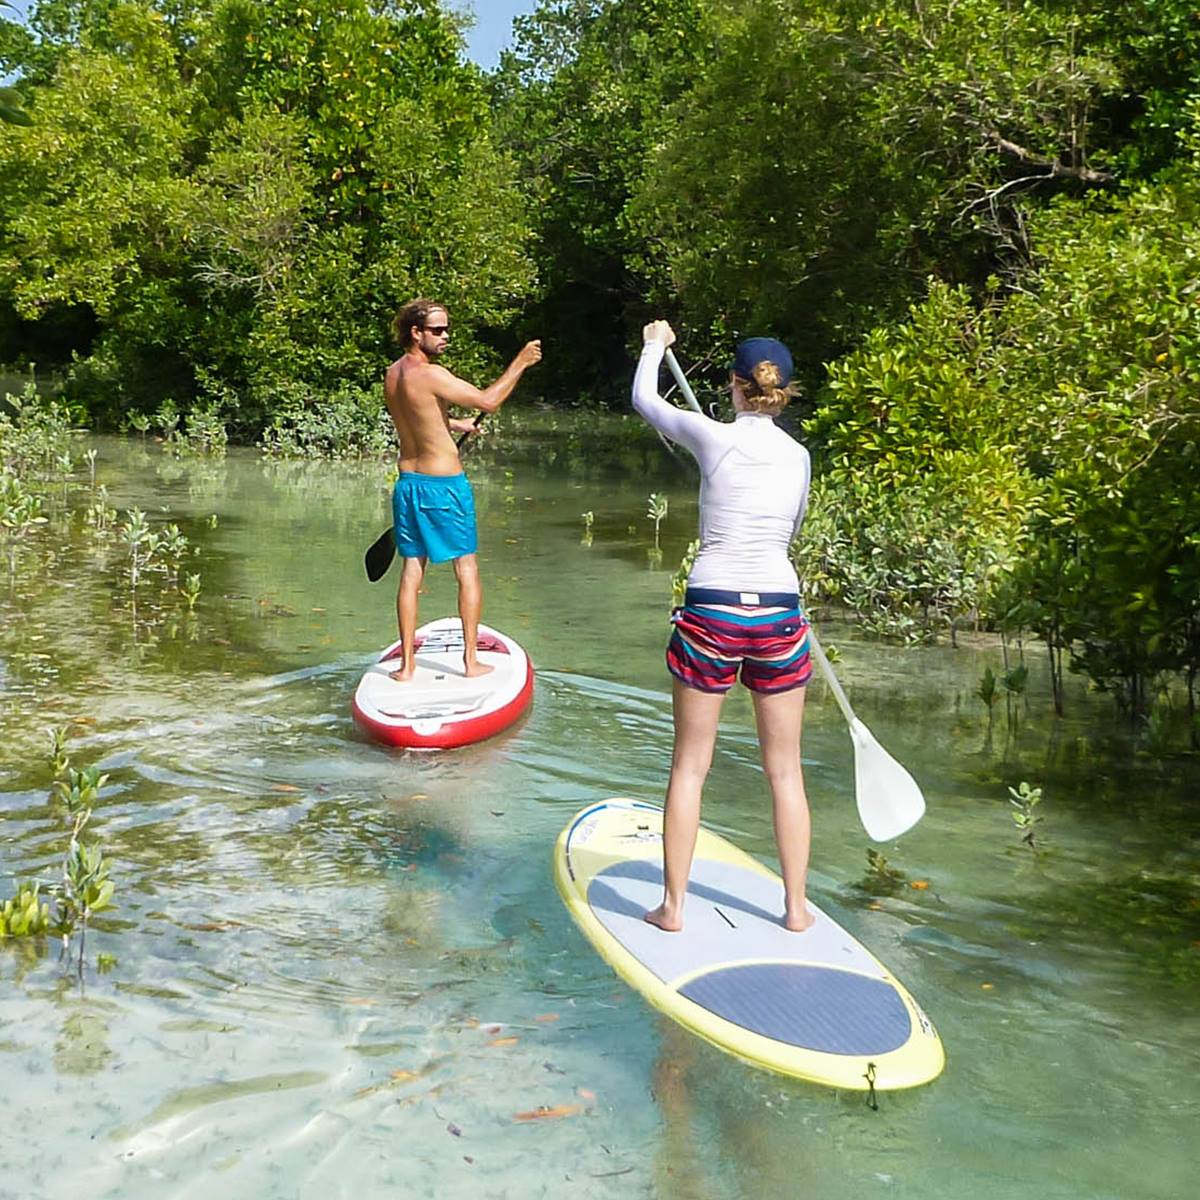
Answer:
x=411 y=577
x=696 y=716
x=780 y=716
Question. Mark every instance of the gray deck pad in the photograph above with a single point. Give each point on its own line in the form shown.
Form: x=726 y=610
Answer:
x=836 y=1012
x=732 y=915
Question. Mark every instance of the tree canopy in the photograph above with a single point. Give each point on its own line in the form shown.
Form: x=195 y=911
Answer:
x=975 y=222
x=234 y=198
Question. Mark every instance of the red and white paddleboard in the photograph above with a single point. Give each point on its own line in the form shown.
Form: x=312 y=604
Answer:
x=440 y=707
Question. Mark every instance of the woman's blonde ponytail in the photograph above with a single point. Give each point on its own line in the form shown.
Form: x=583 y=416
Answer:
x=763 y=392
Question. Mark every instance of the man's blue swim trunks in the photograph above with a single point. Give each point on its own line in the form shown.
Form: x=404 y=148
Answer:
x=434 y=516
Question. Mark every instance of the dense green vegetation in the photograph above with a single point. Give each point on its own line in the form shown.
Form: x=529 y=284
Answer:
x=977 y=222
x=224 y=204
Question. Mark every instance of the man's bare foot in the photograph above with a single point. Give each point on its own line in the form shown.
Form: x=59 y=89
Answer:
x=403 y=674
x=665 y=918
x=798 y=922
x=472 y=669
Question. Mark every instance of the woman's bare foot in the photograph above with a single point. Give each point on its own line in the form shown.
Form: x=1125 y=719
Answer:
x=402 y=674
x=798 y=921
x=473 y=669
x=666 y=918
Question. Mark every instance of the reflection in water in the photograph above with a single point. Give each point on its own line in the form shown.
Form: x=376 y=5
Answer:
x=82 y=1047
x=343 y=970
x=679 y=1172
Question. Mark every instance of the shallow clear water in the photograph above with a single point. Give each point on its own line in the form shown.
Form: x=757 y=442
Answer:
x=344 y=971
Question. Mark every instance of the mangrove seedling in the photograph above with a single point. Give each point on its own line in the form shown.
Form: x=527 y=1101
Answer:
x=99 y=512
x=881 y=878
x=204 y=433
x=680 y=578
x=169 y=549
x=656 y=511
x=60 y=760
x=84 y=787
x=65 y=465
x=1025 y=800
x=85 y=890
x=79 y=791
x=136 y=533
x=26 y=914
x=20 y=511
x=167 y=418
x=190 y=590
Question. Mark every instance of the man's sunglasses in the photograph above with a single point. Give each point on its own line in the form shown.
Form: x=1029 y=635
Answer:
x=437 y=330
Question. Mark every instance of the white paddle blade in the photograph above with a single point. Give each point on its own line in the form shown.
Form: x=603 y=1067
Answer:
x=889 y=801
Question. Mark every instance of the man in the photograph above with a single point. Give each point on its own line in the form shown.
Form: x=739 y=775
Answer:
x=432 y=504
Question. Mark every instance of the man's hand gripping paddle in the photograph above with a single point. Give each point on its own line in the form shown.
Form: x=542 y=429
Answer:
x=382 y=550
x=889 y=800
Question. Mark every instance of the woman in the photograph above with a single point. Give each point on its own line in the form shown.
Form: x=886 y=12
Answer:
x=742 y=607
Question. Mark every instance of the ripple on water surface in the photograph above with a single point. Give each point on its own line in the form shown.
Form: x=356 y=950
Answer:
x=342 y=970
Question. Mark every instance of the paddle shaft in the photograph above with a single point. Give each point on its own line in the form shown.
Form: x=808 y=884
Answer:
x=462 y=437
x=822 y=661
x=681 y=380
x=830 y=678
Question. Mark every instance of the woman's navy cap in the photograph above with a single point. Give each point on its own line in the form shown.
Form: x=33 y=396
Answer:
x=755 y=350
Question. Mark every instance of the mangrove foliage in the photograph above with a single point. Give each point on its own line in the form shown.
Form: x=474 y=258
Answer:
x=977 y=223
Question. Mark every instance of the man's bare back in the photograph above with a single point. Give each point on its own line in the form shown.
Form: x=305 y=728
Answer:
x=415 y=390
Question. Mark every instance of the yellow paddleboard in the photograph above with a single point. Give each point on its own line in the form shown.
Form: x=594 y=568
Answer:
x=815 y=1005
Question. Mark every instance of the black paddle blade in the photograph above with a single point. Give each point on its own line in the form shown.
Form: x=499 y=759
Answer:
x=379 y=555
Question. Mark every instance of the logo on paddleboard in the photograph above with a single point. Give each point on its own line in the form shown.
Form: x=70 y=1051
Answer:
x=925 y=1023
x=581 y=833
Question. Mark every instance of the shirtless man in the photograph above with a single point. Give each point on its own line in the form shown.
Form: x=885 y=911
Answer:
x=432 y=505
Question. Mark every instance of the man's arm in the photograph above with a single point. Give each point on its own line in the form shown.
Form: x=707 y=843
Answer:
x=452 y=390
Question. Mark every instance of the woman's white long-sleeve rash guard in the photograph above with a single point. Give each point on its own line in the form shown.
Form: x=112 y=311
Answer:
x=753 y=489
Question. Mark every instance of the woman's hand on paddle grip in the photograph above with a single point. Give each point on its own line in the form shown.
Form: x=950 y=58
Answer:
x=658 y=331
